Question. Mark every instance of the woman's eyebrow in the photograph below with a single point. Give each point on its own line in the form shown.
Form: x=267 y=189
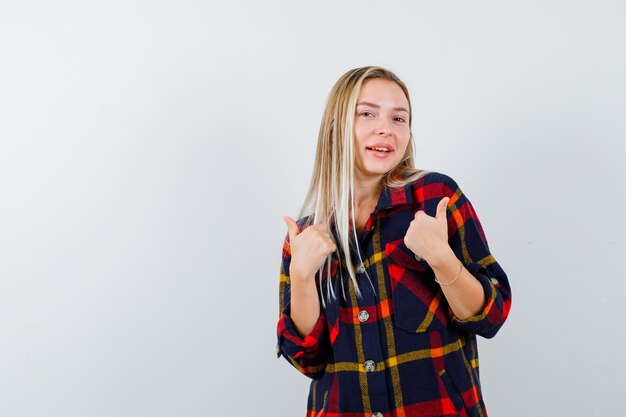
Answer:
x=376 y=106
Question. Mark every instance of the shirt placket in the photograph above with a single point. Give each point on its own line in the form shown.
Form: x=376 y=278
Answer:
x=372 y=343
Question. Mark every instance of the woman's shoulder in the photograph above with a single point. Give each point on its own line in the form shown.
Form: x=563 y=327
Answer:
x=436 y=179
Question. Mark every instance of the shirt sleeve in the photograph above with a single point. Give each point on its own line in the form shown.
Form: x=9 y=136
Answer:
x=468 y=241
x=308 y=354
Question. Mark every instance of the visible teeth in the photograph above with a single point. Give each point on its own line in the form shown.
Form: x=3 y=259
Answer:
x=381 y=149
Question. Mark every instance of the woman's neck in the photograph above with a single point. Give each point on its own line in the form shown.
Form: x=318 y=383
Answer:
x=366 y=191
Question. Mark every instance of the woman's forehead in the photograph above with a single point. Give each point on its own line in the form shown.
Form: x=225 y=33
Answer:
x=383 y=93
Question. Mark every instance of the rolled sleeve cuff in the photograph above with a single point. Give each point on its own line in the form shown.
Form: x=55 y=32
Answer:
x=292 y=344
x=481 y=322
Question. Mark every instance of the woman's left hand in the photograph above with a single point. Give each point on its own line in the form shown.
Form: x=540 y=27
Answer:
x=427 y=236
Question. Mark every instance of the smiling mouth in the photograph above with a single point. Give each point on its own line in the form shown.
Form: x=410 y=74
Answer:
x=379 y=149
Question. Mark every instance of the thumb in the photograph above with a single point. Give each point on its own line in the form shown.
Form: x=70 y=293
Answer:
x=441 y=209
x=292 y=227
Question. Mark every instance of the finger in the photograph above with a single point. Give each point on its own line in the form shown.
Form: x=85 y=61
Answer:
x=292 y=227
x=441 y=208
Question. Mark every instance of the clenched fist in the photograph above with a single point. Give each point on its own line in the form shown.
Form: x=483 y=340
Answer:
x=427 y=236
x=309 y=248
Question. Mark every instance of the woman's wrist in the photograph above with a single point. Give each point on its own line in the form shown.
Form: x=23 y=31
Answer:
x=444 y=258
x=303 y=285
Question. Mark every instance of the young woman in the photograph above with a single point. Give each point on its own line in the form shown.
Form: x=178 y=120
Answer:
x=386 y=278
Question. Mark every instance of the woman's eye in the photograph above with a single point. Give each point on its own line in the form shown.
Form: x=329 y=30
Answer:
x=365 y=113
x=400 y=119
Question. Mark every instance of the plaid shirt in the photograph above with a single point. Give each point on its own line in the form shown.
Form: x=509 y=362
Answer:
x=399 y=350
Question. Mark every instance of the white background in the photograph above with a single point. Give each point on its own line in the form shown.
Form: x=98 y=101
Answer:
x=149 y=149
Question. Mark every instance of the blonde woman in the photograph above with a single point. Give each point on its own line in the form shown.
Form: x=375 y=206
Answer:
x=386 y=278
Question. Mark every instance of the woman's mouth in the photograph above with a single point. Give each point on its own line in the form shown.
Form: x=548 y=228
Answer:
x=379 y=152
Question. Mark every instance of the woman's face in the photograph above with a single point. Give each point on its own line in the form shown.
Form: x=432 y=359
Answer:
x=381 y=121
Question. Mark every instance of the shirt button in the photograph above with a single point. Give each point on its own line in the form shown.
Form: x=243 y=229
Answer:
x=363 y=316
x=360 y=269
x=377 y=414
x=370 y=366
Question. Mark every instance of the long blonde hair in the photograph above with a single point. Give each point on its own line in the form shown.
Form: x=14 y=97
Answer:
x=331 y=191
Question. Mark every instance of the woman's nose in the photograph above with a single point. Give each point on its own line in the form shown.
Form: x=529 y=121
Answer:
x=382 y=127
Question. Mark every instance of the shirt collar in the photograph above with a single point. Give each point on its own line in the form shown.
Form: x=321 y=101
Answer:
x=391 y=197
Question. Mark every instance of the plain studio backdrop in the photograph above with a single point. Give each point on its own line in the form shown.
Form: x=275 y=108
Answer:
x=148 y=151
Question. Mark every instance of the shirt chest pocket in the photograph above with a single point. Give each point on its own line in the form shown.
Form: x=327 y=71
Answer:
x=418 y=302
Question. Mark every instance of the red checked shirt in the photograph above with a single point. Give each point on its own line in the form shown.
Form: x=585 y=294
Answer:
x=399 y=350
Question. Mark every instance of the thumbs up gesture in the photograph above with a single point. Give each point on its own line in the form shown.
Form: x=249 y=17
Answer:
x=309 y=248
x=427 y=236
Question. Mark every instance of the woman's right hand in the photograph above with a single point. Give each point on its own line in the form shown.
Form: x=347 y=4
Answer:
x=309 y=248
